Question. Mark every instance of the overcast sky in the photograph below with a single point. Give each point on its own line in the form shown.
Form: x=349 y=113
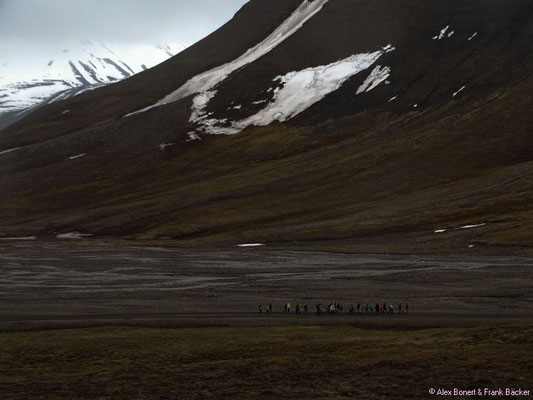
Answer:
x=39 y=25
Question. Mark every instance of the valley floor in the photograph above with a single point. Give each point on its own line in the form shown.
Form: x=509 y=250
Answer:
x=101 y=320
x=49 y=283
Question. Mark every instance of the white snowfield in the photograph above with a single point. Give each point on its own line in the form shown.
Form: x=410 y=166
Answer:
x=51 y=75
x=206 y=81
x=295 y=92
x=251 y=245
x=19 y=97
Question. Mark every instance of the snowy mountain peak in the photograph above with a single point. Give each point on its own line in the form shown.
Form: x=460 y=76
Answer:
x=67 y=72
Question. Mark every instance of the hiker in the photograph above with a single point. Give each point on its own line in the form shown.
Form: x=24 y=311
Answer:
x=270 y=308
x=297 y=308
x=352 y=310
x=366 y=308
x=288 y=307
x=406 y=308
x=285 y=308
x=306 y=310
x=260 y=309
x=319 y=309
x=391 y=309
x=400 y=308
x=377 y=308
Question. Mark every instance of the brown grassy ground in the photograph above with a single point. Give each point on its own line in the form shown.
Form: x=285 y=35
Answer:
x=263 y=363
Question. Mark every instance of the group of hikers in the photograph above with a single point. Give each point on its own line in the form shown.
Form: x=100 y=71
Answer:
x=336 y=308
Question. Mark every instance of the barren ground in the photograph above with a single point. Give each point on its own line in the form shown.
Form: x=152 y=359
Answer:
x=164 y=323
x=73 y=283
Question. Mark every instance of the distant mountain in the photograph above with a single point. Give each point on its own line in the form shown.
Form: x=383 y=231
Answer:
x=346 y=125
x=68 y=73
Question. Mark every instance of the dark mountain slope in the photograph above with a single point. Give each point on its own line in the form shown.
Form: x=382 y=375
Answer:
x=353 y=171
x=252 y=23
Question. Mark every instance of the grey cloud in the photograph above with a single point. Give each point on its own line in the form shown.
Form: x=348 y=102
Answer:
x=135 y=21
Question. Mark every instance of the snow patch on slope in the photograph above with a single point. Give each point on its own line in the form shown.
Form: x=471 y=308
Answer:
x=377 y=76
x=77 y=156
x=459 y=91
x=73 y=235
x=472 y=226
x=9 y=150
x=163 y=146
x=206 y=81
x=442 y=33
x=443 y=230
x=295 y=92
x=25 y=238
